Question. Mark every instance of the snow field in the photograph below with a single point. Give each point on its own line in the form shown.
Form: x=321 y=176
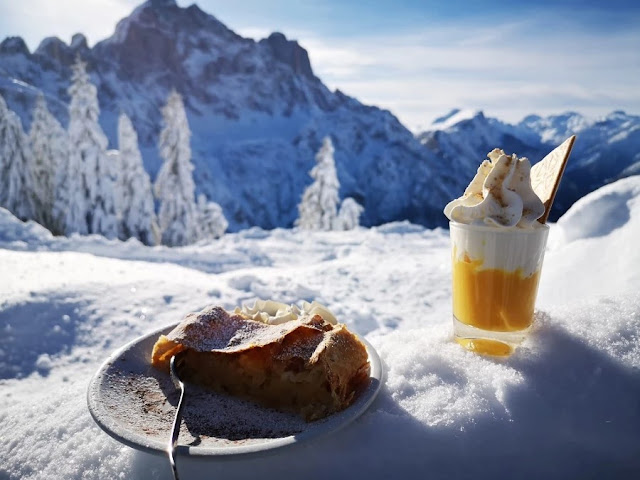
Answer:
x=565 y=405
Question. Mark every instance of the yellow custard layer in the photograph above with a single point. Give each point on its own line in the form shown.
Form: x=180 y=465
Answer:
x=492 y=299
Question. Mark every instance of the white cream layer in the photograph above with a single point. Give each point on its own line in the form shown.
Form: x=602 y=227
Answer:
x=507 y=249
x=272 y=312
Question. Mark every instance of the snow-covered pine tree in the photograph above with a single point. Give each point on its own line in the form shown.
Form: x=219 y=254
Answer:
x=174 y=187
x=87 y=139
x=211 y=219
x=49 y=146
x=349 y=214
x=70 y=202
x=137 y=209
x=113 y=158
x=318 y=207
x=17 y=182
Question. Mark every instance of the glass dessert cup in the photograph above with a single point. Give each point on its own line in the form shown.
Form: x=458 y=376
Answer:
x=496 y=272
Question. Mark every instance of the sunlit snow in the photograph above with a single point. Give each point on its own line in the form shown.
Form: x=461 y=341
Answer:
x=565 y=405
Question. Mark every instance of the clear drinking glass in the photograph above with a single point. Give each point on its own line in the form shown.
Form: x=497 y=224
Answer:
x=496 y=273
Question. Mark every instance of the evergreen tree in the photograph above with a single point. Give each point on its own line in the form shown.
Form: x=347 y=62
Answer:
x=318 y=208
x=49 y=146
x=114 y=159
x=211 y=219
x=70 y=202
x=88 y=140
x=17 y=182
x=349 y=215
x=134 y=188
x=174 y=187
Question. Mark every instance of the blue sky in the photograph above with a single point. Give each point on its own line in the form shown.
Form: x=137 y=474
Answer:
x=419 y=58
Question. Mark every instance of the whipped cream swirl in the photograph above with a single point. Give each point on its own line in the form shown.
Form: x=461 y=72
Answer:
x=274 y=313
x=499 y=195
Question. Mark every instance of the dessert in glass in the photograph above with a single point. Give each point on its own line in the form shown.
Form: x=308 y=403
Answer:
x=498 y=247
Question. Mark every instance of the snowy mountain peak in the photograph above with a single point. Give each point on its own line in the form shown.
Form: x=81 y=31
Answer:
x=157 y=38
x=453 y=117
x=618 y=113
x=50 y=45
x=446 y=116
x=78 y=42
x=290 y=53
x=606 y=149
x=531 y=119
x=554 y=129
x=14 y=45
x=619 y=117
x=162 y=3
x=166 y=13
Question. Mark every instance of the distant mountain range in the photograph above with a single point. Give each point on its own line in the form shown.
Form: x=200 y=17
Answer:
x=258 y=115
x=606 y=149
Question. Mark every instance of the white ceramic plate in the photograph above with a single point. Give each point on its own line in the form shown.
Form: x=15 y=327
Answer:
x=135 y=404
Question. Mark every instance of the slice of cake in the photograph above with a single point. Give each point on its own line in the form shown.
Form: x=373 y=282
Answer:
x=281 y=357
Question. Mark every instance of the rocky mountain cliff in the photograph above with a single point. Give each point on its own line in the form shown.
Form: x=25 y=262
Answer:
x=257 y=114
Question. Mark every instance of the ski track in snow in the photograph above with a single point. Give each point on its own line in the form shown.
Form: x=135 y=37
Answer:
x=564 y=405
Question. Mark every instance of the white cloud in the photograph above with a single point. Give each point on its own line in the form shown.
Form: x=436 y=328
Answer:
x=508 y=68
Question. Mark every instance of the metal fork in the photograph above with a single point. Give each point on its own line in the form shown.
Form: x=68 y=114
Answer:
x=175 y=366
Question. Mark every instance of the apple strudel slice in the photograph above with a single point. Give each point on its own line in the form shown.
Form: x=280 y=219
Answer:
x=282 y=357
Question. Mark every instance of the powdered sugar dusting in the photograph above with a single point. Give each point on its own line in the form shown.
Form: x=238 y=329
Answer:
x=213 y=329
x=143 y=400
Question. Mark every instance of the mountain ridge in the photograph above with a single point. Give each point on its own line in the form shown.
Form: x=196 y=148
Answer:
x=606 y=148
x=256 y=110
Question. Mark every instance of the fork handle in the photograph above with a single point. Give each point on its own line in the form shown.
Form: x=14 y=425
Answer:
x=175 y=433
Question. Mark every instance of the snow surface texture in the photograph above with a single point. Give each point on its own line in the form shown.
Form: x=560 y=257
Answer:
x=565 y=405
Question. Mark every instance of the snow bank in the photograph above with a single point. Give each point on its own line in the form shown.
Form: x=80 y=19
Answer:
x=593 y=249
x=22 y=235
x=603 y=211
x=565 y=405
